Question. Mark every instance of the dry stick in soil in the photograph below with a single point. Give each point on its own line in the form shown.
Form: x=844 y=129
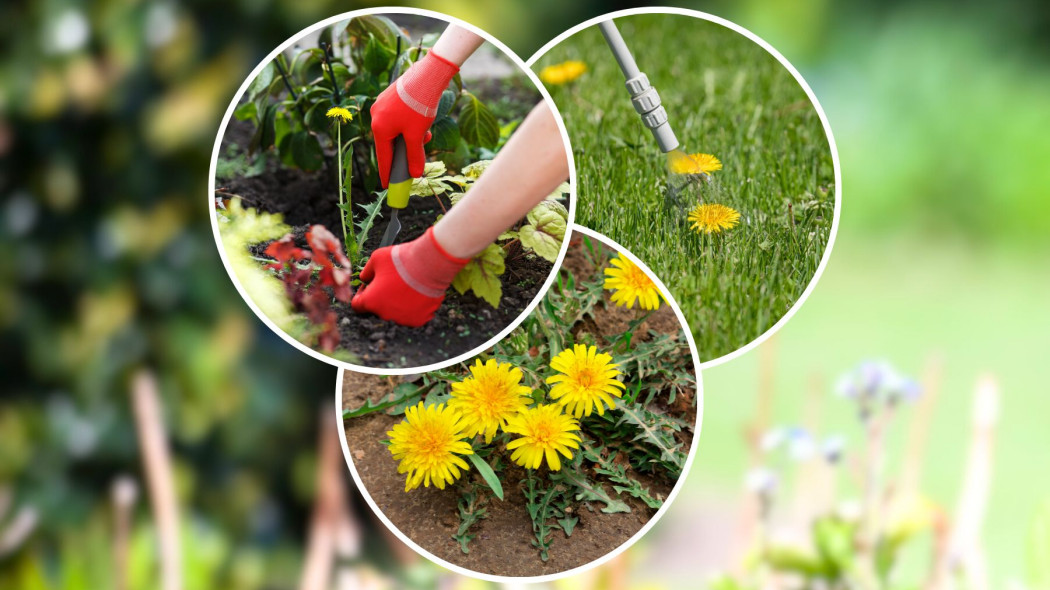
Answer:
x=160 y=480
x=124 y=495
x=919 y=429
x=751 y=509
x=964 y=549
x=333 y=531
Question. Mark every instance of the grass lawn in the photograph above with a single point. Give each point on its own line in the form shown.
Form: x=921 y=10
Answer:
x=725 y=96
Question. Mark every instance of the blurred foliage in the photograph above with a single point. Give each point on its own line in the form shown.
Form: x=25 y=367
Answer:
x=107 y=116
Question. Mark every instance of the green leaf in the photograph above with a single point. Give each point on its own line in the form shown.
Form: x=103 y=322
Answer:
x=487 y=474
x=481 y=275
x=589 y=491
x=794 y=559
x=432 y=183
x=475 y=170
x=261 y=84
x=245 y=112
x=834 y=540
x=377 y=56
x=448 y=100
x=365 y=225
x=264 y=133
x=306 y=151
x=544 y=234
x=445 y=135
x=361 y=29
x=477 y=124
x=307 y=66
x=567 y=524
x=404 y=394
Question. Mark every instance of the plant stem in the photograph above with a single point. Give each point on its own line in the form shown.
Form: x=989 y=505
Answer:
x=339 y=181
x=288 y=85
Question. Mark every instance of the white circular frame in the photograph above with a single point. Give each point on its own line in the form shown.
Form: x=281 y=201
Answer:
x=613 y=552
x=820 y=112
x=215 y=223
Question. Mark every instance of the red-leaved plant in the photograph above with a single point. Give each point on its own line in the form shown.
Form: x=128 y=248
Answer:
x=308 y=294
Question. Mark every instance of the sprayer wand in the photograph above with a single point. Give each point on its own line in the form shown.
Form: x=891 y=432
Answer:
x=645 y=98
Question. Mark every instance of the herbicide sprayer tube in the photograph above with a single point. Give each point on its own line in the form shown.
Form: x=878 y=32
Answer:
x=644 y=97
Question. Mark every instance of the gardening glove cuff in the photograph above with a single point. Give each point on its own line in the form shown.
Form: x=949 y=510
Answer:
x=425 y=266
x=407 y=282
x=407 y=108
x=421 y=86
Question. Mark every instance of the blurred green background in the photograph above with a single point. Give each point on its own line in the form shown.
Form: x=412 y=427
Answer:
x=108 y=112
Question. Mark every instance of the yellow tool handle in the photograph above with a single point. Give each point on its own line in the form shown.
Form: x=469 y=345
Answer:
x=397 y=194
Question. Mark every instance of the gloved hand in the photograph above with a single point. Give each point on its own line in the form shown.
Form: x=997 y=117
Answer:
x=407 y=108
x=407 y=282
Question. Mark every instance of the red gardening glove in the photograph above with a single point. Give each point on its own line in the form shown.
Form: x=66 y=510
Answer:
x=407 y=282
x=407 y=108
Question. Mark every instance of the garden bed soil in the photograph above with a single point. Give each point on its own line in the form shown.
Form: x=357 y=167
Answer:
x=503 y=542
x=429 y=517
x=463 y=322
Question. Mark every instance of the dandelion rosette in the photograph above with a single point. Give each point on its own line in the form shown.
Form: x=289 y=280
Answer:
x=587 y=381
x=710 y=219
x=695 y=164
x=341 y=113
x=492 y=394
x=428 y=444
x=545 y=432
x=631 y=284
x=563 y=73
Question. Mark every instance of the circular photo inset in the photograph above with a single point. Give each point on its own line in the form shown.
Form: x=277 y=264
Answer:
x=550 y=452
x=369 y=199
x=702 y=150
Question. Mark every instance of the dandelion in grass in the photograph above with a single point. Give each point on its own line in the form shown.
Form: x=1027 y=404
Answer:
x=563 y=73
x=712 y=219
x=492 y=394
x=341 y=113
x=695 y=164
x=545 y=432
x=629 y=284
x=587 y=381
x=428 y=444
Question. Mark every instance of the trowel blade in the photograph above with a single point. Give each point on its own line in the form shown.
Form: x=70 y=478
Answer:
x=392 y=229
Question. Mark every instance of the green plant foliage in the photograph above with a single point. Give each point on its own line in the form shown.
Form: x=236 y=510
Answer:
x=617 y=474
x=549 y=508
x=487 y=474
x=477 y=124
x=472 y=510
x=586 y=490
x=544 y=232
x=481 y=275
x=240 y=228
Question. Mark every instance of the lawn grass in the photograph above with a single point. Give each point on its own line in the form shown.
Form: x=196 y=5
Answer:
x=725 y=96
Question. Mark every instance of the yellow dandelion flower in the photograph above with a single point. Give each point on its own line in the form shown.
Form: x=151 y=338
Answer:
x=587 y=381
x=713 y=218
x=428 y=444
x=545 y=431
x=695 y=164
x=563 y=73
x=630 y=283
x=342 y=113
x=492 y=394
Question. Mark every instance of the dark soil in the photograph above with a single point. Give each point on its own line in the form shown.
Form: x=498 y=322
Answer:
x=463 y=322
x=502 y=546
